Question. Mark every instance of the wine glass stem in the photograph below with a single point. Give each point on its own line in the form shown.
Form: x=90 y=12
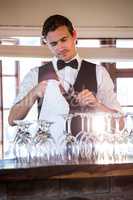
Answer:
x=82 y=123
x=117 y=125
x=69 y=125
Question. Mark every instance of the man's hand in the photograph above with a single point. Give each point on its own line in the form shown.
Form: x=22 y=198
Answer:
x=39 y=90
x=87 y=98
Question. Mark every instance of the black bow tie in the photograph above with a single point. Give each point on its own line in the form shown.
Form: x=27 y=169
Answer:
x=61 y=64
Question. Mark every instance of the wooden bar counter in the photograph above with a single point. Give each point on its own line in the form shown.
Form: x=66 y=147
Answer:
x=70 y=180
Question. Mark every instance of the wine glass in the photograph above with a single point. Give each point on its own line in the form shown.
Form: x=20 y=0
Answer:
x=80 y=137
x=22 y=141
x=67 y=143
x=45 y=146
x=120 y=140
x=102 y=149
x=70 y=95
x=129 y=133
x=84 y=137
x=131 y=123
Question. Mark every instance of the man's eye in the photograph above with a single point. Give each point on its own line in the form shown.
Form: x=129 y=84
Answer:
x=53 y=44
x=64 y=39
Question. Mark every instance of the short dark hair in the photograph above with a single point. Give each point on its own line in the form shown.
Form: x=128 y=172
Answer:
x=55 y=21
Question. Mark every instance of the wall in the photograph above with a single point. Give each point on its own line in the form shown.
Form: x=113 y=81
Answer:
x=84 y=13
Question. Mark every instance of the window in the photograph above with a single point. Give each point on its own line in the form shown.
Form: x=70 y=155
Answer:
x=13 y=69
x=88 y=43
x=124 y=79
x=12 y=73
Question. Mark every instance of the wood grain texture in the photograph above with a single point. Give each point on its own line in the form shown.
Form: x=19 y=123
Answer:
x=64 y=171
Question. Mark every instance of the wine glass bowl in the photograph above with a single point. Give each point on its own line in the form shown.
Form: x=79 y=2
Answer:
x=45 y=146
x=35 y=148
x=67 y=143
x=22 y=141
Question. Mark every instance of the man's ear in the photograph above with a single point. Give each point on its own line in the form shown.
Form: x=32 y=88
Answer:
x=42 y=41
x=75 y=35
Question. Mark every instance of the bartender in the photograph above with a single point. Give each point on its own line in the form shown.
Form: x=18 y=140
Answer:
x=53 y=83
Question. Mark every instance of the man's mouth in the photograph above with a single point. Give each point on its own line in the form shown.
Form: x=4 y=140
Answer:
x=63 y=53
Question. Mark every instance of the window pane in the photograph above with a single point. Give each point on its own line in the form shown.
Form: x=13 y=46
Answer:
x=88 y=43
x=96 y=61
x=124 y=91
x=9 y=91
x=9 y=134
x=124 y=43
x=29 y=41
x=5 y=116
x=8 y=41
x=127 y=109
x=26 y=64
x=124 y=65
x=8 y=66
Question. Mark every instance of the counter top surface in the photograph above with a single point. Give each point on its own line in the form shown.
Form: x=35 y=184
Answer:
x=12 y=170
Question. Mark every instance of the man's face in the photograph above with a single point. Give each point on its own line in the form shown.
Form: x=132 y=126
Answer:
x=62 y=43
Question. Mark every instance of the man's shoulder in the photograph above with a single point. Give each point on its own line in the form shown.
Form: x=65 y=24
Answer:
x=45 y=64
x=99 y=67
x=87 y=65
x=39 y=68
x=87 y=62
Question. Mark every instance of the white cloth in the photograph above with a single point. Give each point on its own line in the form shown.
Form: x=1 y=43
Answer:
x=53 y=102
x=54 y=107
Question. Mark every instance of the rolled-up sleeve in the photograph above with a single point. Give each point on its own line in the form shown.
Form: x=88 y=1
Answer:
x=30 y=80
x=105 y=88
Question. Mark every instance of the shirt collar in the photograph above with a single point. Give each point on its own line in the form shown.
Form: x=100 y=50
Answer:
x=75 y=57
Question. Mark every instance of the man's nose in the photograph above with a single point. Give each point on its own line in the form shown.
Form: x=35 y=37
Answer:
x=60 y=46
